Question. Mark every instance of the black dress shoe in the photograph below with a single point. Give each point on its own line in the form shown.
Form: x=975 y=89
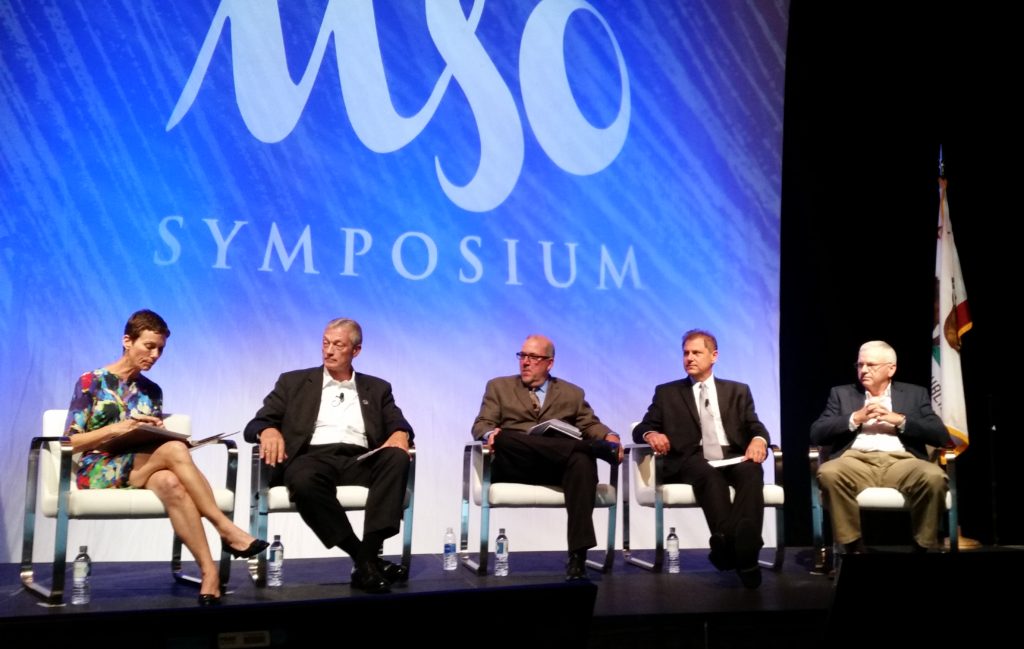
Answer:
x=577 y=567
x=605 y=450
x=209 y=600
x=393 y=572
x=367 y=577
x=751 y=577
x=722 y=555
x=257 y=546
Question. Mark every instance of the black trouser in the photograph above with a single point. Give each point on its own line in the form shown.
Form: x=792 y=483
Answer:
x=312 y=479
x=558 y=462
x=739 y=520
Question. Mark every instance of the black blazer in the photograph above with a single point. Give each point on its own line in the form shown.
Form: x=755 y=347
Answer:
x=923 y=426
x=293 y=404
x=673 y=411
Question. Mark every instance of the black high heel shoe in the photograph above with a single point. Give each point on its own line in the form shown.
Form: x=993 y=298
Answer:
x=257 y=546
x=209 y=600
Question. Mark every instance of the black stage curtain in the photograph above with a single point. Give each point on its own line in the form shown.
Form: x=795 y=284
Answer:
x=871 y=93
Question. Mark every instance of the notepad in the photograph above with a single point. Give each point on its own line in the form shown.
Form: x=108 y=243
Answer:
x=553 y=426
x=147 y=435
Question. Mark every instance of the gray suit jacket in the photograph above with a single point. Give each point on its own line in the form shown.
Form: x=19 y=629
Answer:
x=506 y=405
x=923 y=428
x=293 y=404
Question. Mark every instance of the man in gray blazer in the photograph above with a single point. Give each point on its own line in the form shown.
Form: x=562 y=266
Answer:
x=878 y=433
x=314 y=426
x=512 y=405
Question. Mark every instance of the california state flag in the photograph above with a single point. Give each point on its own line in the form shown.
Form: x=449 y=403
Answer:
x=952 y=321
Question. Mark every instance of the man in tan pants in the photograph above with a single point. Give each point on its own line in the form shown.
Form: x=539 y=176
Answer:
x=878 y=433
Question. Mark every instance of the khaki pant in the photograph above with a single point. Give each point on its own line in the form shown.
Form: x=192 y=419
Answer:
x=922 y=483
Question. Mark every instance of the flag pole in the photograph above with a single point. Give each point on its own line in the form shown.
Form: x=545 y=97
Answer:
x=964 y=542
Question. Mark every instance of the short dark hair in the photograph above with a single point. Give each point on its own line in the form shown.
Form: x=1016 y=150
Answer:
x=709 y=339
x=145 y=320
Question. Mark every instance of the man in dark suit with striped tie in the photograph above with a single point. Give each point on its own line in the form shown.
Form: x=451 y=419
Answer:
x=708 y=431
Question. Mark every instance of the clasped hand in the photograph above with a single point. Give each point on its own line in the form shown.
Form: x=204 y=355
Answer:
x=875 y=412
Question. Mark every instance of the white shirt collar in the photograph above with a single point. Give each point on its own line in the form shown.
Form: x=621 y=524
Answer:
x=329 y=381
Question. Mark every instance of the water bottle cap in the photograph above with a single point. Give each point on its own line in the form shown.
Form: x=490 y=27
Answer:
x=277 y=537
x=82 y=548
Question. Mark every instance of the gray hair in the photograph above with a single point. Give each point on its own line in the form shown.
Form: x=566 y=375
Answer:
x=881 y=346
x=355 y=331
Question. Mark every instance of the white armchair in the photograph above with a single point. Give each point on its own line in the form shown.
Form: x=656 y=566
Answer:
x=872 y=498
x=51 y=489
x=268 y=500
x=477 y=485
x=649 y=491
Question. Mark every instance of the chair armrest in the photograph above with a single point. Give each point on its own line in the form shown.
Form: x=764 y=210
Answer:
x=639 y=449
x=814 y=458
x=65 y=443
x=59 y=438
x=260 y=474
x=64 y=472
x=231 y=466
x=777 y=459
x=66 y=465
x=471 y=449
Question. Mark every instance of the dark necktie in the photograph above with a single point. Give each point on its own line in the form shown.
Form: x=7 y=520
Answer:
x=709 y=439
x=534 y=400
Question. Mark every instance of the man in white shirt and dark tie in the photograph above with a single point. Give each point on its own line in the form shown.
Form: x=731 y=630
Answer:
x=707 y=429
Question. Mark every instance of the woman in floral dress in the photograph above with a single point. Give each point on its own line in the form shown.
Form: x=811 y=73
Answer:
x=114 y=400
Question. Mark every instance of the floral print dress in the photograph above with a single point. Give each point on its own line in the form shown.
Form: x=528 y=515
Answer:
x=101 y=398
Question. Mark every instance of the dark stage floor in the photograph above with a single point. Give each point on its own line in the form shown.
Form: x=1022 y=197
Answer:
x=533 y=607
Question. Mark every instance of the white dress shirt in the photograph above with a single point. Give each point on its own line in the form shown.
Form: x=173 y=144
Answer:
x=340 y=419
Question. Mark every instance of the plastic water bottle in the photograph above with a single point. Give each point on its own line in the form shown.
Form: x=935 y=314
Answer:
x=501 y=554
x=275 y=563
x=450 y=559
x=672 y=549
x=81 y=570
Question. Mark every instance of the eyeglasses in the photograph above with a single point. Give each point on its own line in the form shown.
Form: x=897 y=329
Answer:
x=535 y=358
x=871 y=367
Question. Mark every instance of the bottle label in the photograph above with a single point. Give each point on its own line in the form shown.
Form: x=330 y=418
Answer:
x=81 y=570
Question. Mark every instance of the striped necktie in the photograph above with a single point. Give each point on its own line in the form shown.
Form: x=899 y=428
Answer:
x=709 y=438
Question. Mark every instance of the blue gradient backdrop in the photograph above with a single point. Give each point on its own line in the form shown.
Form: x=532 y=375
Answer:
x=611 y=247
